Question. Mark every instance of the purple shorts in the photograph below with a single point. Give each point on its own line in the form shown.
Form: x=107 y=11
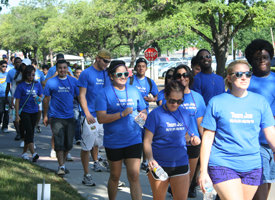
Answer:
x=220 y=174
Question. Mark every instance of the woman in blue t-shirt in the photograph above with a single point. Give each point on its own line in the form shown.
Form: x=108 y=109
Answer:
x=165 y=143
x=195 y=105
x=26 y=91
x=230 y=151
x=168 y=78
x=122 y=136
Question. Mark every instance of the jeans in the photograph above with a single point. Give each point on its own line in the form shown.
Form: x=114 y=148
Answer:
x=3 y=111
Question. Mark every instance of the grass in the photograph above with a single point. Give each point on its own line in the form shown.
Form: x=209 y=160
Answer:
x=19 y=179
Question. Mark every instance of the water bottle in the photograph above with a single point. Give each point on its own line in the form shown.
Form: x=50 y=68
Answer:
x=163 y=176
x=138 y=119
x=7 y=106
x=209 y=191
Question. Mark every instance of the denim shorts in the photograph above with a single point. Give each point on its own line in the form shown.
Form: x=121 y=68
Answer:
x=220 y=174
x=63 y=133
x=268 y=164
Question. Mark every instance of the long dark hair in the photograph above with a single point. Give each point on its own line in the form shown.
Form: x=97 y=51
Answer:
x=187 y=69
x=28 y=70
x=166 y=79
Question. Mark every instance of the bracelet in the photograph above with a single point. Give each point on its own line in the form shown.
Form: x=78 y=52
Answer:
x=120 y=114
x=151 y=159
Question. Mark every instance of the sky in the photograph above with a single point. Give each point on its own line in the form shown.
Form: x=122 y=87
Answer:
x=11 y=3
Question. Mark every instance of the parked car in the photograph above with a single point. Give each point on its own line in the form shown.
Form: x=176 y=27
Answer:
x=127 y=60
x=162 y=71
x=172 y=59
x=162 y=59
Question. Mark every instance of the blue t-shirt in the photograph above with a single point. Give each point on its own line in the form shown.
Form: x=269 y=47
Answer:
x=266 y=87
x=62 y=95
x=9 y=67
x=237 y=123
x=93 y=80
x=208 y=85
x=161 y=97
x=39 y=76
x=144 y=88
x=22 y=92
x=169 y=129
x=10 y=79
x=194 y=104
x=52 y=70
x=3 y=84
x=122 y=132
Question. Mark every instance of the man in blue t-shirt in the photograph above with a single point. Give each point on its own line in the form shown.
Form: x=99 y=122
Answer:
x=207 y=83
x=3 y=108
x=61 y=89
x=259 y=54
x=90 y=81
x=11 y=65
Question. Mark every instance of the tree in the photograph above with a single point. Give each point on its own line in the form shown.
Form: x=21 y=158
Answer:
x=223 y=18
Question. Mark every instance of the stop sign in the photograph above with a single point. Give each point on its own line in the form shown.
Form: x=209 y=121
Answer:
x=151 y=54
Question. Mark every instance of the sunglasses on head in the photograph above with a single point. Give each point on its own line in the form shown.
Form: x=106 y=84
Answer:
x=120 y=74
x=185 y=75
x=29 y=75
x=104 y=60
x=172 y=101
x=203 y=57
x=240 y=74
x=169 y=76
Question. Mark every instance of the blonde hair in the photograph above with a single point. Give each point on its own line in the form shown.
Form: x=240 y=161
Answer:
x=230 y=70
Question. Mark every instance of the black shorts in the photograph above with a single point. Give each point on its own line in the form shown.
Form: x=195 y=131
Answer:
x=133 y=151
x=172 y=171
x=193 y=151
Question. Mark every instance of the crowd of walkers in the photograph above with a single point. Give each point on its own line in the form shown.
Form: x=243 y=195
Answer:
x=205 y=128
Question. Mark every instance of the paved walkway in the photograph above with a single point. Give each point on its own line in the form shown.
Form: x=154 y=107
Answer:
x=42 y=141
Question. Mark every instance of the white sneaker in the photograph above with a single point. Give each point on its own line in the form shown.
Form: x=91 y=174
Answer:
x=5 y=130
x=25 y=156
x=53 y=154
x=22 y=144
x=69 y=157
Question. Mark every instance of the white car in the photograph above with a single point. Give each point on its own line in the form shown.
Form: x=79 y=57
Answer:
x=164 y=69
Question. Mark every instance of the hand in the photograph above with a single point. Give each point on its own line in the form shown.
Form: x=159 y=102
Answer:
x=90 y=119
x=195 y=140
x=148 y=99
x=69 y=73
x=17 y=119
x=151 y=164
x=45 y=121
x=11 y=105
x=203 y=178
x=127 y=111
x=143 y=116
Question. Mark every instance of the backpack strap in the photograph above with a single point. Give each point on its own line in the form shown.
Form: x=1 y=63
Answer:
x=131 y=80
x=150 y=83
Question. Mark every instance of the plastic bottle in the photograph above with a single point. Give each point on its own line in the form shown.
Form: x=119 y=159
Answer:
x=138 y=119
x=7 y=107
x=209 y=191
x=163 y=176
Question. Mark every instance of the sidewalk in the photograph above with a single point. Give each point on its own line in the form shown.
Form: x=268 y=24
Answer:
x=9 y=146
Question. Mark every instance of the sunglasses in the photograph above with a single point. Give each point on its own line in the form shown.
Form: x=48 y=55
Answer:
x=203 y=57
x=4 y=65
x=29 y=75
x=185 y=75
x=120 y=74
x=104 y=60
x=172 y=101
x=240 y=74
x=169 y=76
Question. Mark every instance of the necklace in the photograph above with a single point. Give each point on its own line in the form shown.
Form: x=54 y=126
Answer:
x=211 y=80
x=194 y=103
x=184 y=124
x=118 y=98
x=65 y=85
x=141 y=87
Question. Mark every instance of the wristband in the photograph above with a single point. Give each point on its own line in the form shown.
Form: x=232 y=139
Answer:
x=151 y=159
x=120 y=114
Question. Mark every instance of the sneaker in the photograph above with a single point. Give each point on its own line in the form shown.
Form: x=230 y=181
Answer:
x=143 y=166
x=22 y=144
x=105 y=165
x=99 y=157
x=53 y=154
x=69 y=157
x=192 y=191
x=17 y=137
x=38 y=129
x=25 y=156
x=121 y=184
x=35 y=157
x=66 y=171
x=170 y=191
x=78 y=142
x=87 y=180
x=97 y=167
x=60 y=171
x=5 y=130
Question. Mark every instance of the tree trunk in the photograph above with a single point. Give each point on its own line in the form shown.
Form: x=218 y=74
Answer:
x=221 y=57
x=45 y=53
x=24 y=51
x=183 y=51
x=156 y=45
x=35 y=53
x=133 y=55
x=51 y=56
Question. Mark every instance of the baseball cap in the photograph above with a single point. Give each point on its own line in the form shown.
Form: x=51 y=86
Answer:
x=141 y=60
x=60 y=55
x=4 y=56
x=26 y=61
x=103 y=53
